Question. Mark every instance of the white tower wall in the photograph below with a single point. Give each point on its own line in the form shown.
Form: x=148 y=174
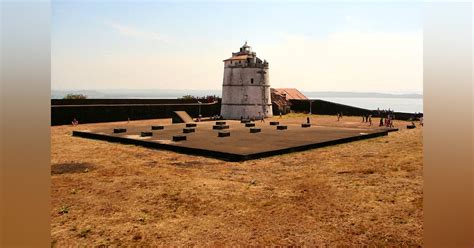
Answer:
x=246 y=89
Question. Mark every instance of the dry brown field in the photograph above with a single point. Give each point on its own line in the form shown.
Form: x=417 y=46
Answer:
x=366 y=192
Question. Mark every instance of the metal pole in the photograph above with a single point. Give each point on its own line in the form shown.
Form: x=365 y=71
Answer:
x=199 y=116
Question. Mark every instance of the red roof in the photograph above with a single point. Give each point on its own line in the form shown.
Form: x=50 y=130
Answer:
x=238 y=57
x=291 y=93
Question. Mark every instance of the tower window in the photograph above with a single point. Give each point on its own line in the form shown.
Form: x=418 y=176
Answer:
x=251 y=80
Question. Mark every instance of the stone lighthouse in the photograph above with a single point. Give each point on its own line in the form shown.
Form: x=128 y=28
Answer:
x=246 y=87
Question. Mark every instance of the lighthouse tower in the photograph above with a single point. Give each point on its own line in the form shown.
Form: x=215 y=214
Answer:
x=245 y=88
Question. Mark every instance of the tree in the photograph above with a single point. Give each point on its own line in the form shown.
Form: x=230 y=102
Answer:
x=75 y=96
x=207 y=99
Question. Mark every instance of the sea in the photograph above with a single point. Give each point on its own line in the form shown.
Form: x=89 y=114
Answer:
x=407 y=105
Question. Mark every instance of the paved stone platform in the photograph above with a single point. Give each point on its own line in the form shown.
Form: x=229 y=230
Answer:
x=241 y=144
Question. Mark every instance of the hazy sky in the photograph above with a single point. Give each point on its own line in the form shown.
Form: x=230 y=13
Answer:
x=376 y=47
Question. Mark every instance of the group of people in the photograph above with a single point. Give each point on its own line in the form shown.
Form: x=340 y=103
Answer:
x=388 y=121
x=260 y=117
x=367 y=118
x=75 y=122
x=216 y=117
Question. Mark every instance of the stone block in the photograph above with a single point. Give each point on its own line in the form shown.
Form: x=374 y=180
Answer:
x=179 y=137
x=146 y=134
x=120 y=130
x=223 y=134
x=157 y=127
x=191 y=124
x=189 y=130
x=282 y=127
x=249 y=124
x=255 y=130
x=220 y=127
x=306 y=125
x=220 y=122
x=274 y=123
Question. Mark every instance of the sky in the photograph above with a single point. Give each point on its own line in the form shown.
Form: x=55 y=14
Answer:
x=311 y=46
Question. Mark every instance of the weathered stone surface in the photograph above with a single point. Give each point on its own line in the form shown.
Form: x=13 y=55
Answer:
x=189 y=130
x=249 y=124
x=179 y=137
x=306 y=125
x=282 y=127
x=223 y=134
x=255 y=130
x=157 y=127
x=120 y=130
x=191 y=124
x=274 y=123
x=146 y=134
x=220 y=127
x=246 y=87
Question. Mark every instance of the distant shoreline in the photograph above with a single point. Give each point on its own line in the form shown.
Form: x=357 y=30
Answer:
x=173 y=94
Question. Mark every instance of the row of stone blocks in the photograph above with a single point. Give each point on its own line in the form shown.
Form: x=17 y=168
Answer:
x=124 y=130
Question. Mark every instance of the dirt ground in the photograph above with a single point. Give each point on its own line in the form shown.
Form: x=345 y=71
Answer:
x=366 y=192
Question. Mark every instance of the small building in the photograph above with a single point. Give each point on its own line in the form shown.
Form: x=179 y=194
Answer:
x=246 y=86
x=281 y=99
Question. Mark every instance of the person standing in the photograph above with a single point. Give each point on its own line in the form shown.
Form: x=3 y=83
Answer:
x=260 y=116
x=370 y=120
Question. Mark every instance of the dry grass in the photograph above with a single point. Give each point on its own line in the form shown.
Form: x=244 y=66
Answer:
x=362 y=193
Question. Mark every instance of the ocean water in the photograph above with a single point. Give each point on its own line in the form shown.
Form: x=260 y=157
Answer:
x=409 y=105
